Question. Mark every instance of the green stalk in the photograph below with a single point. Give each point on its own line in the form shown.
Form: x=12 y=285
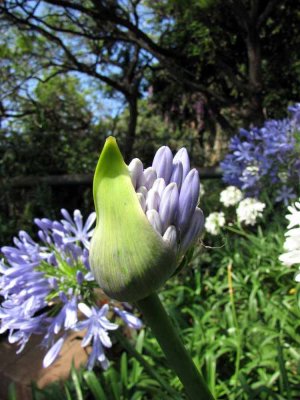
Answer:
x=171 y=344
x=235 y=322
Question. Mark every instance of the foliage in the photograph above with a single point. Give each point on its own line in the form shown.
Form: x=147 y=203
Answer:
x=236 y=59
x=55 y=137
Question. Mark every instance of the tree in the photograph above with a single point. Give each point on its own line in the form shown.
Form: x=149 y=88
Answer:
x=60 y=39
x=56 y=137
x=231 y=57
x=244 y=52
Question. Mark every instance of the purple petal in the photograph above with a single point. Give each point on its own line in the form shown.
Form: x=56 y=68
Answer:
x=88 y=336
x=159 y=185
x=131 y=320
x=183 y=157
x=53 y=353
x=177 y=173
x=188 y=199
x=136 y=171
x=150 y=176
x=78 y=219
x=90 y=221
x=168 y=205
x=44 y=223
x=153 y=200
x=71 y=313
x=58 y=322
x=85 y=309
x=142 y=200
x=66 y=215
x=155 y=221
x=143 y=190
x=104 y=338
x=162 y=163
x=170 y=237
x=79 y=277
x=193 y=230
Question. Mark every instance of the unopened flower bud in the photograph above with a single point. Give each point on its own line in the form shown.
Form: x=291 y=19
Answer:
x=129 y=259
x=163 y=163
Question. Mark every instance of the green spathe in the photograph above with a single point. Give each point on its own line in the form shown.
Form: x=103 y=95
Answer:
x=128 y=258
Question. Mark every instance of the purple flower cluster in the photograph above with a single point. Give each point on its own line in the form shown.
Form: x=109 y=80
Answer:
x=169 y=194
x=266 y=157
x=47 y=284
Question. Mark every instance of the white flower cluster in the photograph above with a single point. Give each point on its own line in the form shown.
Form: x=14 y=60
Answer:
x=249 y=210
x=231 y=196
x=292 y=241
x=214 y=222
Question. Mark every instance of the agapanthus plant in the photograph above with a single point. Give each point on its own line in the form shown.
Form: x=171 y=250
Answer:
x=49 y=289
x=146 y=221
x=266 y=159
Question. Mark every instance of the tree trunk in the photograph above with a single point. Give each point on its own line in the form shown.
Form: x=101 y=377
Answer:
x=255 y=106
x=131 y=131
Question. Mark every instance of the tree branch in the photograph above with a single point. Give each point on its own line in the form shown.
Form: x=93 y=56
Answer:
x=76 y=64
x=267 y=11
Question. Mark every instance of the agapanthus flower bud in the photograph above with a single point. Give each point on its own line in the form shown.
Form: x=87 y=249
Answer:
x=155 y=221
x=162 y=163
x=159 y=185
x=170 y=236
x=183 y=157
x=177 y=173
x=188 y=198
x=150 y=176
x=168 y=205
x=136 y=171
x=146 y=220
x=153 y=200
x=128 y=257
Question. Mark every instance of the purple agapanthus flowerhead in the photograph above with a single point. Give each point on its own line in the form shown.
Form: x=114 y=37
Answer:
x=258 y=157
x=295 y=111
x=97 y=326
x=42 y=283
x=169 y=194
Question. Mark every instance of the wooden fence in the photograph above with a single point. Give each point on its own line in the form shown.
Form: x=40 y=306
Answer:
x=84 y=179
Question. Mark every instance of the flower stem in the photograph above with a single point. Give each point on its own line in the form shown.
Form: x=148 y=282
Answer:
x=172 y=346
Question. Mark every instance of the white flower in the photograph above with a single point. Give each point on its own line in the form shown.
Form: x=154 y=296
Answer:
x=294 y=216
x=292 y=241
x=283 y=176
x=252 y=169
x=249 y=210
x=214 y=222
x=230 y=196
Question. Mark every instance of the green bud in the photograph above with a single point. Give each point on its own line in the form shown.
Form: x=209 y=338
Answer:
x=128 y=258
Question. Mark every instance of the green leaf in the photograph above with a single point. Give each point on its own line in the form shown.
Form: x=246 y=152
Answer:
x=76 y=382
x=94 y=385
